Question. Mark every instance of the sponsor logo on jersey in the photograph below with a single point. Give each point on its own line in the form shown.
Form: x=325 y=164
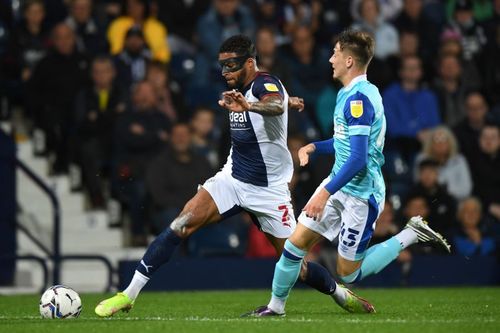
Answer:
x=238 y=119
x=339 y=131
x=356 y=109
x=271 y=87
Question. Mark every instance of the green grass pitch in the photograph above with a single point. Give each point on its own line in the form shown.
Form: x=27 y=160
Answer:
x=398 y=310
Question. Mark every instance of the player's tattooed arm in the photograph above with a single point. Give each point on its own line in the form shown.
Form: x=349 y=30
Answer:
x=269 y=106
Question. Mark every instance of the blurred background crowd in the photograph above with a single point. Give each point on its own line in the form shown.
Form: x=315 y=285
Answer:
x=124 y=94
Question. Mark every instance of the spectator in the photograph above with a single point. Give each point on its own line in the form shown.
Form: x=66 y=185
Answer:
x=413 y=20
x=450 y=86
x=384 y=33
x=450 y=45
x=411 y=111
x=137 y=14
x=169 y=94
x=485 y=166
x=469 y=240
x=90 y=38
x=267 y=52
x=97 y=107
x=179 y=16
x=467 y=131
x=269 y=14
x=131 y=63
x=309 y=67
x=174 y=175
x=139 y=136
x=203 y=135
x=454 y=173
x=489 y=64
x=300 y=13
x=30 y=40
x=472 y=34
x=389 y=9
x=442 y=205
x=52 y=91
x=223 y=19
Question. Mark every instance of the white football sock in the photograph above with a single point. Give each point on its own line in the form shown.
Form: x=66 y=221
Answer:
x=407 y=237
x=340 y=294
x=277 y=305
x=135 y=286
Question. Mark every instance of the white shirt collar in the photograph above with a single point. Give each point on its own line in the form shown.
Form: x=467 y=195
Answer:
x=357 y=79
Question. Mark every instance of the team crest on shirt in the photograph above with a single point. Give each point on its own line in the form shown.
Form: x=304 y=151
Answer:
x=271 y=87
x=356 y=109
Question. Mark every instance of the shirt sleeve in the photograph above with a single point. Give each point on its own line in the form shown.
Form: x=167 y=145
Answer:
x=359 y=114
x=266 y=85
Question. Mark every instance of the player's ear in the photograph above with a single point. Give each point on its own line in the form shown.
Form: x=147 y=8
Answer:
x=349 y=62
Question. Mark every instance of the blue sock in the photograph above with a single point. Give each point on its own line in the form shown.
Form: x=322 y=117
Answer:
x=319 y=278
x=159 y=252
x=379 y=256
x=287 y=270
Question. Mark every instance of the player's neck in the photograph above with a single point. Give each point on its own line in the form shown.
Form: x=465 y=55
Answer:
x=250 y=78
x=351 y=75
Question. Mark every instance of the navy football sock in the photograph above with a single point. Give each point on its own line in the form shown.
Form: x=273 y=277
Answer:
x=159 y=252
x=319 y=278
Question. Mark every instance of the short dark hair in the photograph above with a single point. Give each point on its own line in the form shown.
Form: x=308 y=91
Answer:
x=359 y=43
x=239 y=44
x=428 y=163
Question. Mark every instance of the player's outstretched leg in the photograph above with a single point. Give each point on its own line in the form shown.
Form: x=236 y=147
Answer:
x=379 y=256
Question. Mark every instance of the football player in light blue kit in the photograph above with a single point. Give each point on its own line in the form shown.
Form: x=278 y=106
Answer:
x=348 y=202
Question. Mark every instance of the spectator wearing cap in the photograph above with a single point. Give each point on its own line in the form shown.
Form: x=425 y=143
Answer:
x=137 y=13
x=472 y=35
x=131 y=62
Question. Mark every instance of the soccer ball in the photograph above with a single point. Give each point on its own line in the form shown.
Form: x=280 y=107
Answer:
x=60 y=302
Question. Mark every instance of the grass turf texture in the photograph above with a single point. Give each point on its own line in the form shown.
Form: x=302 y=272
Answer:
x=398 y=310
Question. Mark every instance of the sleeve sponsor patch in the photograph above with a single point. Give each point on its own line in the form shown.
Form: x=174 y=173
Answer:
x=271 y=87
x=356 y=109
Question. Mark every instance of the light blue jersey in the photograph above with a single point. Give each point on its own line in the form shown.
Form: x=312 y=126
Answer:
x=359 y=111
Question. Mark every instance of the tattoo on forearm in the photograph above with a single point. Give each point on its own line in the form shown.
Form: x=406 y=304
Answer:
x=269 y=107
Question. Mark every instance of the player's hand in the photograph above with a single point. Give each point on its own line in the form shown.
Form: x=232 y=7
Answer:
x=296 y=103
x=234 y=101
x=304 y=154
x=316 y=205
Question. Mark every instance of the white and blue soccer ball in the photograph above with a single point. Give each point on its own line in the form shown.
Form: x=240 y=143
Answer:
x=60 y=302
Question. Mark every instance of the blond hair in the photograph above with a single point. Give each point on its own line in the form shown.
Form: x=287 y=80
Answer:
x=450 y=138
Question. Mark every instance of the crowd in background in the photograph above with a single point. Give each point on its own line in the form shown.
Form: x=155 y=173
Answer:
x=127 y=91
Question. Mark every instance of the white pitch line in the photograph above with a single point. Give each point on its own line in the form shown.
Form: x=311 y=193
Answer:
x=202 y=319
x=287 y=319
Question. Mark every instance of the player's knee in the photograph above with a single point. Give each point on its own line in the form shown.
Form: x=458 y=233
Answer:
x=182 y=225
